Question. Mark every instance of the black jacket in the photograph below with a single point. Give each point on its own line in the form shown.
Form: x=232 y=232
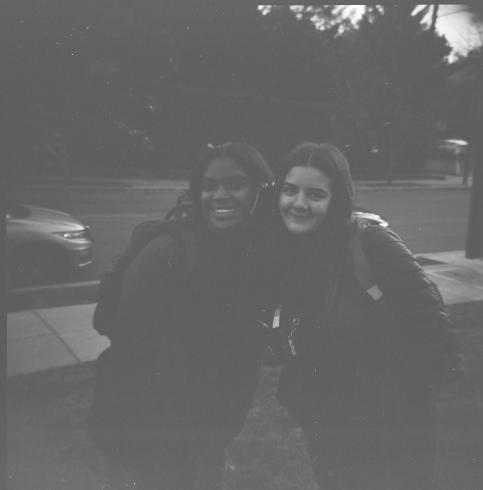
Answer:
x=105 y=315
x=187 y=348
x=360 y=359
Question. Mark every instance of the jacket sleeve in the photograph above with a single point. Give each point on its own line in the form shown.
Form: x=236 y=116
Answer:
x=104 y=320
x=146 y=288
x=141 y=339
x=427 y=336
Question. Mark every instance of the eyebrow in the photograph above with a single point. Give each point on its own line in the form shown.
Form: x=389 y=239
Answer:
x=308 y=188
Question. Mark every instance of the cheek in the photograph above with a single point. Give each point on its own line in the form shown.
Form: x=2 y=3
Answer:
x=321 y=211
x=283 y=203
x=204 y=198
x=247 y=198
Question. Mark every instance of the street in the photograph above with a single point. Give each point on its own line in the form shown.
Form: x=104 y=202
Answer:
x=429 y=220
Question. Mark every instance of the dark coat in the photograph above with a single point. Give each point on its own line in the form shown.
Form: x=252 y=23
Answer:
x=360 y=361
x=186 y=354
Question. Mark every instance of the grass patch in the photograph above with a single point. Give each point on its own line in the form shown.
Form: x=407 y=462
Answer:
x=49 y=449
x=48 y=446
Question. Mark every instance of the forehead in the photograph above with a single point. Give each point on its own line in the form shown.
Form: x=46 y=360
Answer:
x=307 y=177
x=223 y=167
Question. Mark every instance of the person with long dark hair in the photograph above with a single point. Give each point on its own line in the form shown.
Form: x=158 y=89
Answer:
x=176 y=384
x=362 y=350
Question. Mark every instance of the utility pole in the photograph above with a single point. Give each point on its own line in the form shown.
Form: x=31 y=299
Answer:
x=474 y=238
x=434 y=17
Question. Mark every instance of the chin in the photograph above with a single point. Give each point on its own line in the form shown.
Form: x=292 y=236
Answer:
x=300 y=230
x=220 y=226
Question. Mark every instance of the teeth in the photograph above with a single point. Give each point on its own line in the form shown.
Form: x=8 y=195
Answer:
x=223 y=211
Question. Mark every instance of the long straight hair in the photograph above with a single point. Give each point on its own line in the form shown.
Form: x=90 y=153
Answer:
x=324 y=254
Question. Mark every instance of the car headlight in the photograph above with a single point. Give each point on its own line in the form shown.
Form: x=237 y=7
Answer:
x=74 y=235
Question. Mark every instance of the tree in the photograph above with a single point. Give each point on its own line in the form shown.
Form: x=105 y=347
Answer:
x=110 y=74
x=401 y=68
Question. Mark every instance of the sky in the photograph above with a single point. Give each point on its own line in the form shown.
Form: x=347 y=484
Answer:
x=457 y=26
x=454 y=23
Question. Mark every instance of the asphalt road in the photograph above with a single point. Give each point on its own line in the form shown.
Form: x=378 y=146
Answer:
x=429 y=220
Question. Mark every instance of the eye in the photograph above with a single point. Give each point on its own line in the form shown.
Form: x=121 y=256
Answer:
x=317 y=194
x=288 y=189
x=208 y=185
x=237 y=183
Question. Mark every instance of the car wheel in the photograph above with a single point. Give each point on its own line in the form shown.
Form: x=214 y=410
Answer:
x=35 y=268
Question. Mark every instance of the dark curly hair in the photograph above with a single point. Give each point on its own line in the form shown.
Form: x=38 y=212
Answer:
x=249 y=159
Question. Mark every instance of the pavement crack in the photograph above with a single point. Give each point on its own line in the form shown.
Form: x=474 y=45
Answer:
x=57 y=335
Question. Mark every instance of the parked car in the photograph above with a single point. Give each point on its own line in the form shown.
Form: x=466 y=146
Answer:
x=44 y=246
x=372 y=218
x=184 y=204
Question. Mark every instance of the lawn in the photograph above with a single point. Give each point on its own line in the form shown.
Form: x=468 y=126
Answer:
x=48 y=448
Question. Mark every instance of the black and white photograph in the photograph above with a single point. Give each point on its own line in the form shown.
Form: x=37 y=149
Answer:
x=244 y=245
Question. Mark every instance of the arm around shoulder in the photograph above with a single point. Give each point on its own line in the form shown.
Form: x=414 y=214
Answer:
x=415 y=300
x=399 y=274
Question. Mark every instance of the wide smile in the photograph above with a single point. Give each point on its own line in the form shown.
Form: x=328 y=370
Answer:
x=225 y=212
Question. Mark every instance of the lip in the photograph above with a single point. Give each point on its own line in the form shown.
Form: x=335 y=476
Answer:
x=223 y=212
x=299 y=216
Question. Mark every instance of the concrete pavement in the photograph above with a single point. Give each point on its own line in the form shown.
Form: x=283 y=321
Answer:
x=45 y=338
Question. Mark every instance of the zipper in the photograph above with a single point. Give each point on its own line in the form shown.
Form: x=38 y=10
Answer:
x=291 y=341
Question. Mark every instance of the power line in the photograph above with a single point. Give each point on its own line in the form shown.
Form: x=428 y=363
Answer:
x=452 y=13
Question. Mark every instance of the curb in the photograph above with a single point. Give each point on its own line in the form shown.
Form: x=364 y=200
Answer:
x=103 y=183
x=182 y=187
x=113 y=188
x=410 y=187
x=22 y=299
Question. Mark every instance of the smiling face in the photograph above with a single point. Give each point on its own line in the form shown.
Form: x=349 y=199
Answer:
x=304 y=199
x=228 y=195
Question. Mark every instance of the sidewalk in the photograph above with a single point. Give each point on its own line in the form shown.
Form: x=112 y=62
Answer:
x=51 y=337
x=45 y=338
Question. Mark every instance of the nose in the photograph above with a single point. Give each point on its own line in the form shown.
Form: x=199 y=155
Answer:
x=300 y=201
x=220 y=193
